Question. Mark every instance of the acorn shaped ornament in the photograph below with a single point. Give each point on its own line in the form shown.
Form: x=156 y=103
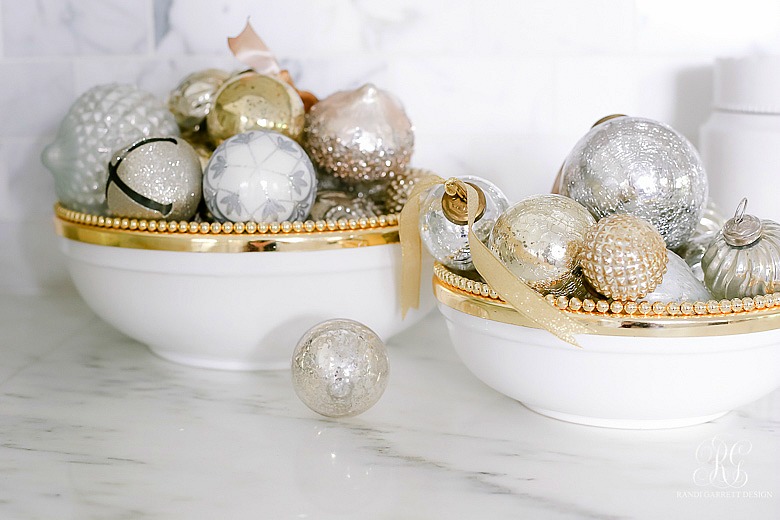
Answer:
x=744 y=258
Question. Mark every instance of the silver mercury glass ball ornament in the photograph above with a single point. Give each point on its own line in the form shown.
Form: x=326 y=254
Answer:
x=744 y=258
x=448 y=241
x=335 y=205
x=155 y=177
x=679 y=284
x=641 y=167
x=540 y=239
x=340 y=368
x=359 y=135
x=192 y=99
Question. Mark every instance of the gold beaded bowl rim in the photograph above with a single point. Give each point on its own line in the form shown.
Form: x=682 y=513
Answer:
x=612 y=318
x=226 y=237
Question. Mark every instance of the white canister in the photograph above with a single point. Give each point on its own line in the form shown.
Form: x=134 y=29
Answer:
x=740 y=142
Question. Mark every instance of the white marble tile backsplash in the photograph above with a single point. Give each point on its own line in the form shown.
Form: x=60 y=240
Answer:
x=499 y=88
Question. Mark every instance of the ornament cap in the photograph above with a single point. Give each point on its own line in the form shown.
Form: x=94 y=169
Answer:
x=454 y=201
x=742 y=230
x=607 y=118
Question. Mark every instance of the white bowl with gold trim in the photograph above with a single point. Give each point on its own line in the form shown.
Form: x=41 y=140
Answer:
x=638 y=371
x=234 y=296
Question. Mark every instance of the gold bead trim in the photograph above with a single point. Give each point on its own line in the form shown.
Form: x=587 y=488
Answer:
x=225 y=228
x=617 y=308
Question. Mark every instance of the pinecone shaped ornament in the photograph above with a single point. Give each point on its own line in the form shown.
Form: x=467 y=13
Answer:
x=102 y=120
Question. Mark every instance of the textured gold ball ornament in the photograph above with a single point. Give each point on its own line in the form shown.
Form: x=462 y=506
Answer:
x=624 y=257
x=359 y=135
x=540 y=240
x=251 y=101
x=193 y=98
x=399 y=189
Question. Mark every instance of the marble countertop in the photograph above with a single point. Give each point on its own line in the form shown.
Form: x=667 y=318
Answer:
x=92 y=425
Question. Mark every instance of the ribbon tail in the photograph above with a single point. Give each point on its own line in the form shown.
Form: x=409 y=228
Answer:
x=411 y=248
x=250 y=50
x=514 y=291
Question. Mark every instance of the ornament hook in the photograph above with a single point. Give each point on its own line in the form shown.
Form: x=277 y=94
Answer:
x=740 y=213
x=454 y=202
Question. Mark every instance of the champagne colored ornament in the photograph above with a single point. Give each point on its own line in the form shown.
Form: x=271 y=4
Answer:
x=679 y=284
x=155 y=177
x=744 y=258
x=252 y=101
x=540 y=240
x=400 y=188
x=335 y=205
x=260 y=176
x=710 y=224
x=359 y=135
x=639 y=167
x=193 y=98
x=340 y=368
x=448 y=241
x=624 y=257
x=103 y=119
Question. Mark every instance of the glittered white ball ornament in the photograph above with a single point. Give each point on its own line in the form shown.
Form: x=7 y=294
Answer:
x=102 y=120
x=260 y=176
x=155 y=178
x=340 y=368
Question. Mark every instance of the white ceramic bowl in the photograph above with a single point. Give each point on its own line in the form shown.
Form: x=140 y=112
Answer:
x=639 y=373
x=233 y=310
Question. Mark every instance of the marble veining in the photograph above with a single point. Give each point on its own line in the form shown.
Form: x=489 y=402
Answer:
x=95 y=426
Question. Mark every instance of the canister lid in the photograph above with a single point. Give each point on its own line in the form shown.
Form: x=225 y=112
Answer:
x=749 y=84
x=742 y=230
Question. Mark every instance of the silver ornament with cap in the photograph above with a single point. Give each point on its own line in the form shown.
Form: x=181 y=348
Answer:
x=744 y=258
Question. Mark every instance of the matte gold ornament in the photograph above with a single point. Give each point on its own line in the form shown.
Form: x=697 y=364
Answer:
x=624 y=257
x=359 y=135
x=251 y=101
x=193 y=98
x=153 y=178
x=540 y=240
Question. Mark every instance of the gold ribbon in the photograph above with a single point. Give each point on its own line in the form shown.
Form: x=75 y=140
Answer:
x=514 y=291
x=253 y=52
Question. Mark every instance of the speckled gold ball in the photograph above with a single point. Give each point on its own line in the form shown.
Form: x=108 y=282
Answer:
x=624 y=257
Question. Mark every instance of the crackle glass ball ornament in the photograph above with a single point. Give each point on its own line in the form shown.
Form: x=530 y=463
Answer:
x=623 y=257
x=540 y=238
x=359 y=135
x=260 y=176
x=193 y=97
x=100 y=121
x=640 y=167
x=744 y=258
x=447 y=241
x=335 y=205
x=154 y=178
x=679 y=284
x=340 y=368
x=251 y=101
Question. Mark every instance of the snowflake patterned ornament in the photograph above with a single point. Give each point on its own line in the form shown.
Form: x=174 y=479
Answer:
x=259 y=176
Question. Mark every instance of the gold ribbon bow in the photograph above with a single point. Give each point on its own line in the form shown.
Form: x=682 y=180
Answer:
x=514 y=291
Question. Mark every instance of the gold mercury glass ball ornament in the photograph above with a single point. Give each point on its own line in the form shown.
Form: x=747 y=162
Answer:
x=192 y=99
x=744 y=258
x=251 y=101
x=623 y=257
x=155 y=177
x=359 y=135
x=540 y=238
x=640 y=167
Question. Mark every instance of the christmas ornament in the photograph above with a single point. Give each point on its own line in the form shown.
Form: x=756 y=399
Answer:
x=679 y=284
x=192 y=99
x=252 y=101
x=708 y=227
x=623 y=257
x=400 y=188
x=362 y=134
x=153 y=178
x=540 y=239
x=340 y=368
x=639 y=167
x=335 y=205
x=102 y=120
x=447 y=241
x=260 y=176
x=744 y=258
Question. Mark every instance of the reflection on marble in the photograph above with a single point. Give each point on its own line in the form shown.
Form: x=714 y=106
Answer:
x=94 y=426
